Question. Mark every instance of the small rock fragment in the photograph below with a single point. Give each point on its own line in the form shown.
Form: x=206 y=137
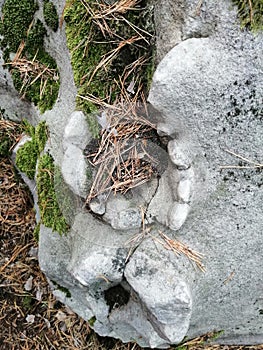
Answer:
x=178 y=155
x=61 y=316
x=177 y=216
x=76 y=131
x=184 y=190
x=30 y=318
x=29 y=284
x=97 y=206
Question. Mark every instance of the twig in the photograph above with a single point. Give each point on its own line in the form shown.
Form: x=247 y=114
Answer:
x=253 y=166
x=136 y=240
x=251 y=15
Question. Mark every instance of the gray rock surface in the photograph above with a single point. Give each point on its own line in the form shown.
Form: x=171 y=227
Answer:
x=139 y=300
x=209 y=91
x=75 y=170
x=76 y=131
x=74 y=167
x=207 y=94
x=121 y=214
x=164 y=293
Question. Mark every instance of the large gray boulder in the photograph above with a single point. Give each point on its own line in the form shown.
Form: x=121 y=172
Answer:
x=121 y=275
x=209 y=92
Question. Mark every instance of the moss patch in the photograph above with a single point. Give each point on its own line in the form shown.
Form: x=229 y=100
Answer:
x=9 y=132
x=27 y=159
x=101 y=57
x=27 y=155
x=21 y=31
x=51 y=215
x=17 y=17
x=66 y=199
x=250 y=13
x=50 y=15
x=92 y=320
x=36 y=232
x=62 y=289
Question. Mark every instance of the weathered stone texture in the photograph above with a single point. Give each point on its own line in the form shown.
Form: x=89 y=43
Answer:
x=207 y=93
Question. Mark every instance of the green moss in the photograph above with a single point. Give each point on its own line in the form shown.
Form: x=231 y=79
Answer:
x=199 y=341
x=35 y=40
x=51 y=215
x=18 y=25
x=216 y=335
x=89 y=46
x=26 y=158
x=8 y=134
x=251 y=18
x=28 y=302
x=27 y=155
x=92 y=320
x=181 y=347
x=41 y=136
x=5 y=144
x=62 y=289
x=28 y=128
x=17 y=17
x=50 y=15
x=36 y=232
x=66 y=199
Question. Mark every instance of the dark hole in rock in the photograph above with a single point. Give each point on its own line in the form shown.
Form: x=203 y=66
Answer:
x=116 y=297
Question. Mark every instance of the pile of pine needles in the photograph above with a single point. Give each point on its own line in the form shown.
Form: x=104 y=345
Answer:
x=121 y=157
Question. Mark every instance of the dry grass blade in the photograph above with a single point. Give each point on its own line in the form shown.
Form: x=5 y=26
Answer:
x=13 y=199
x=115 y=12
x=106 y=12
x=18 y=264
x=19 y=51
x=251 y=15
x=137 y=239
x=97 y=101
x=180 y=248
x=198 y=342
x=138 y=30
x=117 y=7
x=31 y=71
x=15 y=255
x=254 y=165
